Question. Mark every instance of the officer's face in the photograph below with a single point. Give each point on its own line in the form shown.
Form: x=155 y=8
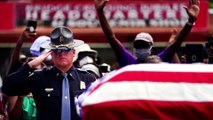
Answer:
x=62 y=58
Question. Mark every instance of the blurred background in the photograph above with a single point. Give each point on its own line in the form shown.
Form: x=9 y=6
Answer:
x=127 y=17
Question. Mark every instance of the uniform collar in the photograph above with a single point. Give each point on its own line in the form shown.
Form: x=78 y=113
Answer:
x=70 y=71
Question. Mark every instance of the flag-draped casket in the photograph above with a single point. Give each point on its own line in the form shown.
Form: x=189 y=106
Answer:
x=151 y=91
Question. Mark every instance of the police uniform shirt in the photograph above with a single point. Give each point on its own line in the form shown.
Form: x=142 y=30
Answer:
x=46 y=87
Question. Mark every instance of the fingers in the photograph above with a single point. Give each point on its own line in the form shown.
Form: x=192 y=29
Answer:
x=99 y=4
x=198 y=2
x=194 y=2
x=38 y=60
x=193 y=10
x=45 y=55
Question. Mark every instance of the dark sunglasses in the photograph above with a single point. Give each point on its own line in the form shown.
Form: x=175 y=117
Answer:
x=142 y=44
x=85 y=53
x=58 y=51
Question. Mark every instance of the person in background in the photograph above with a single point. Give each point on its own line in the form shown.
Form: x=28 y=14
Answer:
x=54 y=87
x=86 y=59
x=84 y=55
x=23 y=107
x=93 y=68
x=157 y=59
x=143 y=42
x=153 y=59
x=17 y=59
x=37 y=50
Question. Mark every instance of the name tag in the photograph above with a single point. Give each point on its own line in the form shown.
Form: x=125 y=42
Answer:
x=48 y=90
x=82 y=85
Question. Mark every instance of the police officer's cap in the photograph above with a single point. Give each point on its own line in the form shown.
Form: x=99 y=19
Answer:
x=62 y=37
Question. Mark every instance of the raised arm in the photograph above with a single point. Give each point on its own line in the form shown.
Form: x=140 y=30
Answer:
x=113 y=41
x=15 y=102
x=193 y=12
x=121 y=53
x=175 y=59
x=14 y=59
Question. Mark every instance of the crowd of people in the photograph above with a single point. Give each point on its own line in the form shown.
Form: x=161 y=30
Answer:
x=44 y=86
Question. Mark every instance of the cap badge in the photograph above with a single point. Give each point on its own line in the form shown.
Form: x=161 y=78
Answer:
x=61 y=38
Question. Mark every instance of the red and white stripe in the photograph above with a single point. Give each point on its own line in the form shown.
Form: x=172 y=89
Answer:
x=153 y=91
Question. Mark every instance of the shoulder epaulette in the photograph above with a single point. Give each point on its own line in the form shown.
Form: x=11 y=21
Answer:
x=81 y=70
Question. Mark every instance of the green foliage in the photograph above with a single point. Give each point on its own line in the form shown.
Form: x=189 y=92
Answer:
x=211 y=4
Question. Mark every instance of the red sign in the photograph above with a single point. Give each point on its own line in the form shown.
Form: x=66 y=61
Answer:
x=7 y=21
x=125 y=14
x=155 y=17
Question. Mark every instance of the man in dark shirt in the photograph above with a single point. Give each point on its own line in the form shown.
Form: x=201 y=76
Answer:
x=46 y=84
x=143 y=41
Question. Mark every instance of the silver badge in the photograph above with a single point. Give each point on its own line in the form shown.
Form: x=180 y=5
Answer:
x=48 y=90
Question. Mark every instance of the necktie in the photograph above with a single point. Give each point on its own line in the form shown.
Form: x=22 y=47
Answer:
x=65 y=110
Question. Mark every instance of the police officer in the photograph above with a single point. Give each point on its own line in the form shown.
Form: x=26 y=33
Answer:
x=47 y=84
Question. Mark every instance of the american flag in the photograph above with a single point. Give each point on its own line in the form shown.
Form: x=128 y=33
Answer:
x=151 y=91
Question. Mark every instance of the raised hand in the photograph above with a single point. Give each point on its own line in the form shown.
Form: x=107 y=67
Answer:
x=29 y=35
x=38 y=60
x=99 y=4
x=193 y=10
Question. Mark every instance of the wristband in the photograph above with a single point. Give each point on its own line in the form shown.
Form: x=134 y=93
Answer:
x=190 y=24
